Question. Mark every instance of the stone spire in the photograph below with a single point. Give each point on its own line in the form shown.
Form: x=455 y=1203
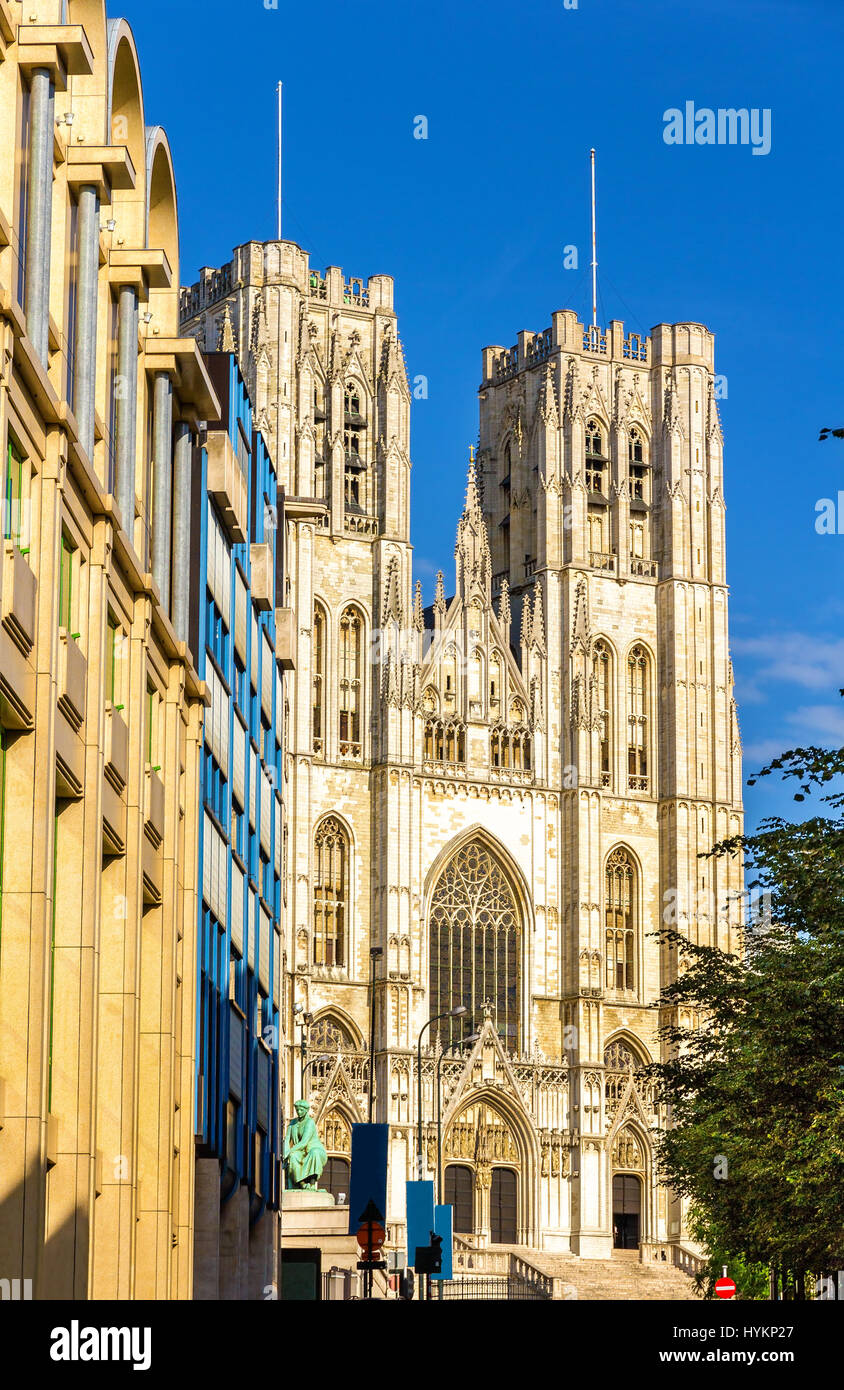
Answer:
x=474 y=565
x=418 y=619
x=439 y=597
x=392 y=596
x=537 y=635
x=226 y=336
x=504 y=608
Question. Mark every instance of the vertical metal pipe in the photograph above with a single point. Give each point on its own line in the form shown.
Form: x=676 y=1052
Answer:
x=126 y=406
x=160 y=501
x=86 y=317
x=37 y=283
x=180 y=586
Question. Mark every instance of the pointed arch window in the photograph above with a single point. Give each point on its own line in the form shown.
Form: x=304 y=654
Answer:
x=637 y=462
x=602 y=672
x=331 y=892
x=596 y=460
x=319 y=680
x=637 y=720
x=476 y=941
x=620 y=909
x=351 y=646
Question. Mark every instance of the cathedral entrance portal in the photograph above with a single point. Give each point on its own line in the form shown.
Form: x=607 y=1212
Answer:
x=484 y=1167
x=626 y=1211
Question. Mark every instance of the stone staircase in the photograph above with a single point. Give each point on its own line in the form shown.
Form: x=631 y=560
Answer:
x=621 y=1277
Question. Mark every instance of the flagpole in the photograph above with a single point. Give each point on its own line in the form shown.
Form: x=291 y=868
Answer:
x=279 y=161
x=594 y=255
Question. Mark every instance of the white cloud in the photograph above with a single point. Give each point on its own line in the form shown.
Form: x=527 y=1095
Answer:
x=795 y=658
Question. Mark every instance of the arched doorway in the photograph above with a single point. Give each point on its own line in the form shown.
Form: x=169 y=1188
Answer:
x=627 y=1190
x=459 y=1187
x=503 y=1207
x=484 y=1173
x=336 y=1177
x=626 y=1211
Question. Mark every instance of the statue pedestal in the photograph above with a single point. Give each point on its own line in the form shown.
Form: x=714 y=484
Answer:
x=306 y=1199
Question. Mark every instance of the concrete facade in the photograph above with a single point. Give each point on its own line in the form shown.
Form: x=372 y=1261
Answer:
x=101 y=704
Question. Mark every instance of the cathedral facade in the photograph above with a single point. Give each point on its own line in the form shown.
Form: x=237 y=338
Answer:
x=494 y=801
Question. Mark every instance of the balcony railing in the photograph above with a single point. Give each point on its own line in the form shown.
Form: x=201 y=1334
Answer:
x=644 y=569
x=600 y=560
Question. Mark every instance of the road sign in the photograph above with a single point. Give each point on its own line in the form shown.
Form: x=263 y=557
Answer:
x=369 y=1172
x=442 y=1226
x=725 y=1288
x=420 y=1215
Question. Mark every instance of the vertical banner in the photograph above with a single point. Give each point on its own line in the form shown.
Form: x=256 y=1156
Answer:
x=369 y=1172
x=420 y=1216
x=442 y=1227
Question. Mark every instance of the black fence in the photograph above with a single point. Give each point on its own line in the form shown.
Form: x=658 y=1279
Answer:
x=504 y=1288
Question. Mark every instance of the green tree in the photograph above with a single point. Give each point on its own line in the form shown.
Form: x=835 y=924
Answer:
x=755 y=1081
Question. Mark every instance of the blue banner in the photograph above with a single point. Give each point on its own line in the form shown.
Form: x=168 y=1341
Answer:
x=369 y=1173
x=420 y=1216
x=442 y=1227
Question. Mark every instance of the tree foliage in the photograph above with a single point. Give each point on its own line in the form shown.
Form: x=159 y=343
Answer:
x=755 y=1078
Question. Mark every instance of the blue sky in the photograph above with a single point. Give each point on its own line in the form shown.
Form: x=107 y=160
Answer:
x=472 y=223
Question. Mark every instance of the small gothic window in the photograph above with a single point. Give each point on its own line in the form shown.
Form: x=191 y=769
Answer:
x=620 y=921
x=637 y=463
x=601 y=672
x=331 y=892
x=319 y=679
x=637 y=720
x=595 y=458
x=351 y=644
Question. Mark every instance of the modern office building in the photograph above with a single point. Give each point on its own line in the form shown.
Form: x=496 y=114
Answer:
x=101 y=702
x=241 y=633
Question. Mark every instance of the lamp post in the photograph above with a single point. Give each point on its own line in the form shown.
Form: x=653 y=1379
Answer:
x=374 y=953
x=450 y=1013
x=304 y=1019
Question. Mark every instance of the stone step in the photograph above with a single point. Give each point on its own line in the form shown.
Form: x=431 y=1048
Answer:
x=617 y=1278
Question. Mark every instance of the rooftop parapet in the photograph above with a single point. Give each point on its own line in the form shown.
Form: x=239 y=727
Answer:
x=667 y=343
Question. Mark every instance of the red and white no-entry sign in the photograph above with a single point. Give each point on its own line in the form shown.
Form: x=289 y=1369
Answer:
x=725 y=1288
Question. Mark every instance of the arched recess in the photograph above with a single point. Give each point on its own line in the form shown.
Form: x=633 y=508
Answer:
x=162 y=207
x=461 y=897
x=490 y=1132
x=126 y=126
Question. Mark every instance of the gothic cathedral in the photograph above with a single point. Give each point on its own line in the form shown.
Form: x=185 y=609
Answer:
x=495 y=802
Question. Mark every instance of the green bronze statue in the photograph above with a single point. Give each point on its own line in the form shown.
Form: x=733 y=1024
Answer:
x=304 y=1156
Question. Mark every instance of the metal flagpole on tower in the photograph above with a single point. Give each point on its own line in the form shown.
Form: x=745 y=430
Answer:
x=594 y=256
x=279 y=161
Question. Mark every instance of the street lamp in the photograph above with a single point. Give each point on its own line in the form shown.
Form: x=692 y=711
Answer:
x=374 y=953
x=304 y=1019
x=458 y=1012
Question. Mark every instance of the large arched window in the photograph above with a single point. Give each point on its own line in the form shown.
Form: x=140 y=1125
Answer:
x=351 y=644
x=602 y=671
x=620 y=910
x=331 y=892
x=637 y=720
x=475 y=936
x=319 y=679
